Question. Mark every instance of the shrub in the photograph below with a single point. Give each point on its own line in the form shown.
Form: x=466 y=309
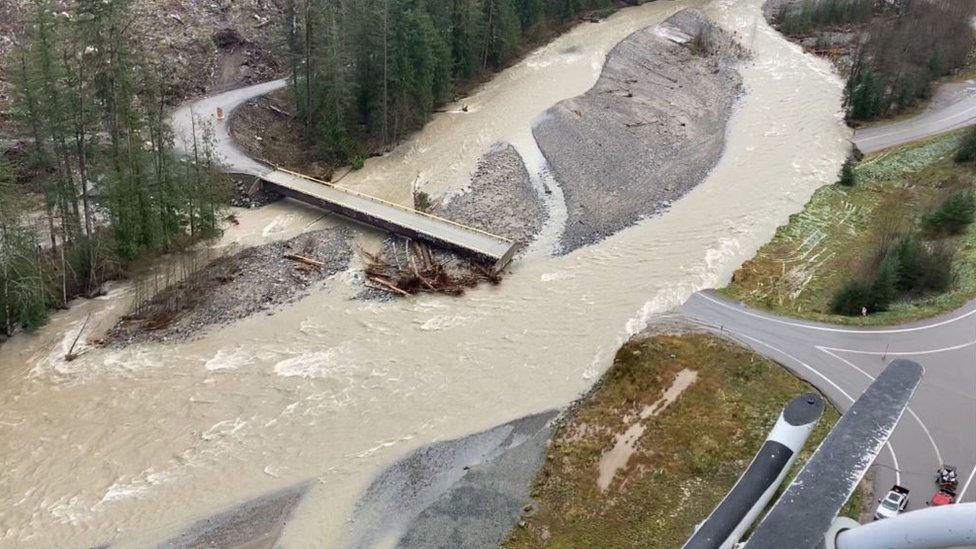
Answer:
x=967 y=149
x=910 y=267
x=422 y=201
x=794 y=22
x=923 y=268
x=703 y=42
x=953 y=215
x=802 y=17
x=357 y=162
x=851 y=298
x=874 y=290
x=847 y=176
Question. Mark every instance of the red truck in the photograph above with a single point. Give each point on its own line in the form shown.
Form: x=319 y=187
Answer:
x=947 y=481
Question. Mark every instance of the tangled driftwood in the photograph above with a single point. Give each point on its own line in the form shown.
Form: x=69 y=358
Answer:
x=424 y=271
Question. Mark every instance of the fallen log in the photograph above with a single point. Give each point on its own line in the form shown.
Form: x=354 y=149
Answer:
x=305 y=260
x=282 y=112
x=387 y=286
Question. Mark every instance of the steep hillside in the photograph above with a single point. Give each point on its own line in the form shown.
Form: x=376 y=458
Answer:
x=207 y=44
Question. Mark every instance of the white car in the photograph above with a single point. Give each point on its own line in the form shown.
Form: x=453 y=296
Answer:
x=893 y=503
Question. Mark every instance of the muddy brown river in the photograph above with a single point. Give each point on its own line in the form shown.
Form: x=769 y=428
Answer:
x=131 y=445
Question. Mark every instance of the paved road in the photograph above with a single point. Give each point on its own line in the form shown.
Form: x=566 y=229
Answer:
x=203 y=112
x=940 y=424
x=952 y=107
x=197 y=115
x=394 y=218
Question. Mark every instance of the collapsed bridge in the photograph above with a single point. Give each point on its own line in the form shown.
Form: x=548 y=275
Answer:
x=468 y=241
x=190 y=119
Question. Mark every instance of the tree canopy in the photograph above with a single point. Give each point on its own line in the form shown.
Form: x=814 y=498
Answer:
x=366 y=72
x=113 y=189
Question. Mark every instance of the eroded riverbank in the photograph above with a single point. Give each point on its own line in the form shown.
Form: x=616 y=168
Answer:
x=133 y=444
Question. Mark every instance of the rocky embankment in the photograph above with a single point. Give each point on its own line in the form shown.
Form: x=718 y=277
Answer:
x=500 y=199
x=466 y=492
x=648 y=131
x=231 y=288
x=265 y=128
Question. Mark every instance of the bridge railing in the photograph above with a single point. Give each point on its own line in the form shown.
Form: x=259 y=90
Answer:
x=392 y=204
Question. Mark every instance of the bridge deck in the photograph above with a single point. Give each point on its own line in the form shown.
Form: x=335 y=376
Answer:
x=392 y=217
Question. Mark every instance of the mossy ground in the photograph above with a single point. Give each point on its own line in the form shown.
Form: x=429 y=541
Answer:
x=800 y=270
x=687 y=459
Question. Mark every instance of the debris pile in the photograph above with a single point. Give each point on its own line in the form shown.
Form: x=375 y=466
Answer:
x=188 y=296
x=247 y=195
x=419 y=269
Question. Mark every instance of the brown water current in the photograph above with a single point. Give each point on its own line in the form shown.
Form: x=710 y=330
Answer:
x=130 y=445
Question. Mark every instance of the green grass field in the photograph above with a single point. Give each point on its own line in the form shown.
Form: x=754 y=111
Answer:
x=800 y=270
x=686 y=460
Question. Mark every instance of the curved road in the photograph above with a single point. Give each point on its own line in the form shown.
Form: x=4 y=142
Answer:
x=940 y=424
x=952 y=107
x=195 y=117
x=202 y=112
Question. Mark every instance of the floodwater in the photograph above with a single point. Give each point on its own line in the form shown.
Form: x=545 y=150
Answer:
x=131 y=445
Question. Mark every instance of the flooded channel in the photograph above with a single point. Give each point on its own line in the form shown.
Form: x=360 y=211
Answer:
x=131 y=445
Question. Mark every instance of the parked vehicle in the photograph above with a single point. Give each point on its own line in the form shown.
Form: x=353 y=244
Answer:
x=947 y=478
x=942 y=497
x=893 y=503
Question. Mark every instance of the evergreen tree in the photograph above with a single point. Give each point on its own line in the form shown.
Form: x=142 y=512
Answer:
x=365 y=73
x=502 y=33
x=953 y=215
x=967 y=148
x=466 y=28
x=884 y=289
x=76 y=80
x=567 y=9
x=529 y=12
x=847 y=176
x=863 y=92
x=23 y=280
x=921 y=268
